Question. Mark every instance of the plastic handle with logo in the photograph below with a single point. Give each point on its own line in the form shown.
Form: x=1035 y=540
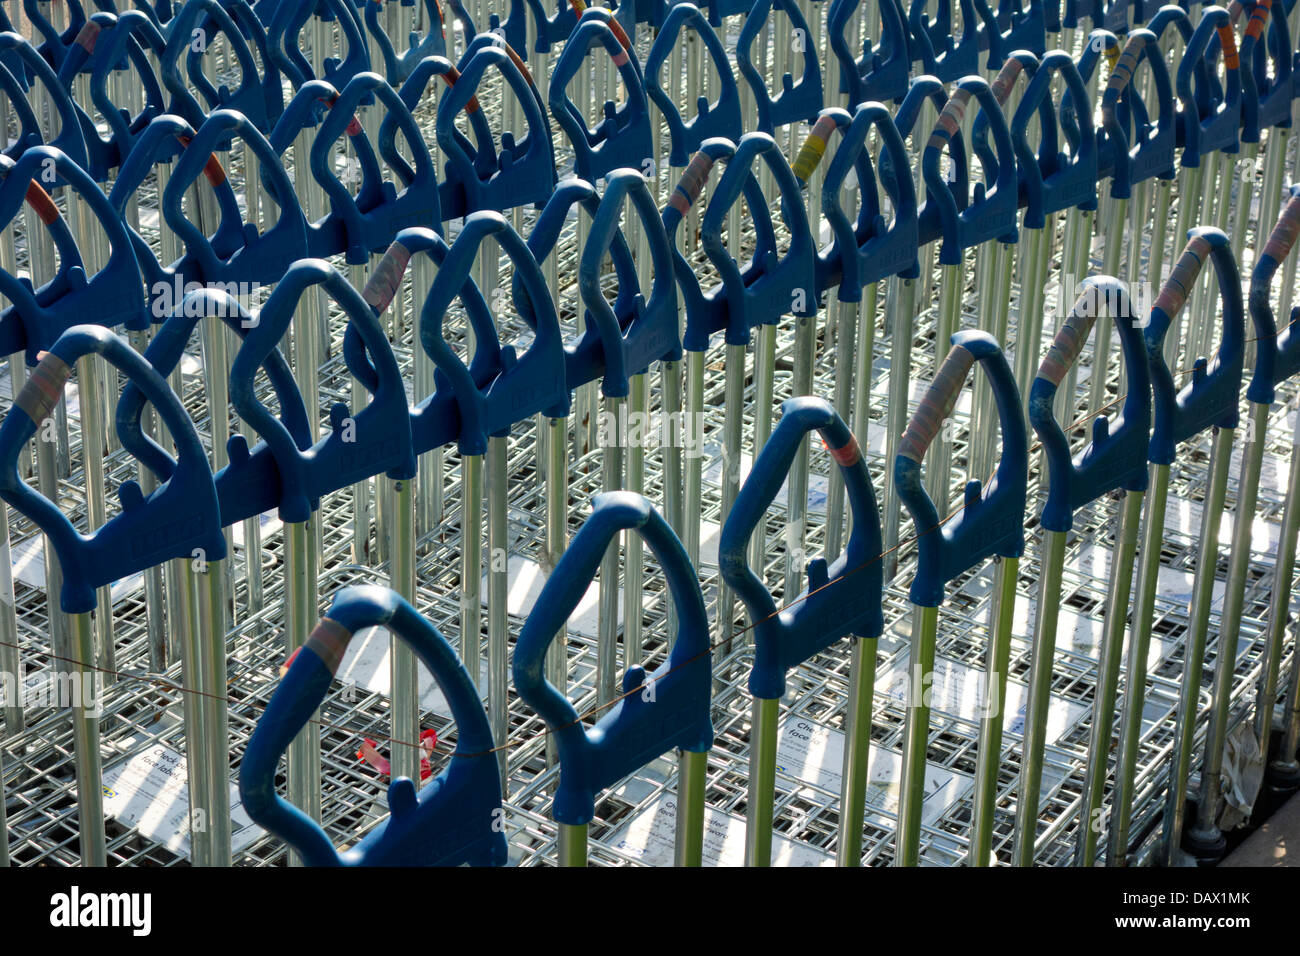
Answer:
x=871 y=249
x=1116 y=456
x=925 y=88
x=285 y=41
x=1211 y=121
x=522 y=172
x=525 y=385
x=720 y=118
x=991 y=213
x=1277 y=356
x=1059 y=180
x=435 y=419
x=237 y=252
x=991 y=521
x=56 y=46
x=374 y=440
x=773 y=285
x=452 y=820
x=652 y=333
x=882 y=71
x=1266 y=93
x=133 y=38
x=194 y=30
x=935 y=45
x=1211 y=397
x=1152 y=151
x=177 y=519
x=112 y=296
x=584 y=359
x=797 y=101
x=659 y=711
x=842 y=598
x=397 y=67
x=622 y=138
x=250 y=484
x=707 y=312
x=378 y=212
x=69 y=141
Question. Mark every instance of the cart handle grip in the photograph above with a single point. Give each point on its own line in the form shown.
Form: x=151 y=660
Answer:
x=179 y=517
x=840 y=599
x=659 y=711
x=452 y=820
x=1277 y=356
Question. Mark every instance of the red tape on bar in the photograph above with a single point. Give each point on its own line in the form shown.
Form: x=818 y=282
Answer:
x=950 y=120
x=937 y=404
x=1228 y=40
x=41 y=203
x=328 y=641
x=213 y=171
x=88 y=35
x=692 y=183
x=450 y=78
x=848 y=455
x=40 y=393
x=1173 y=296
x=1283 y=236
x=1069 y=341
x=386 y=277
x=1006 y=79
x=1258 y=18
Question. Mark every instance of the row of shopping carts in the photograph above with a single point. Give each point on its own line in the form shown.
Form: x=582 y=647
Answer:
x=324 y=344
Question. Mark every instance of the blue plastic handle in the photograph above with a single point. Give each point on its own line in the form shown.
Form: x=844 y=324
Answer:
x=1022 y=25
x=1076 y=10
x=397 y=67
x=374 y=440
x=1266 y=100
x=69 y=141
x=651 y=335
x=658 y=711
x=991 y=522
x=622 y=138
x=773 y=285
x=1020 y=63
x=1277 y=356
x=881 y=71
x=843 y=598
x=250 y=484
x=552 y=28
x=412 y=92
x=1060 y=181
x=378 y=212
x=112 y=296
x=285 y=41
x=1210 y=399
x=521 y=172
x=29 y=130
x=435 y=420
x=237 y=252
x=797 y=101
x=935 y=45
x=929 y=222
x=718 y=119
x=1116 y=456
x=527 y=384
x=991 y=212
x=56 y=45
x=102 y=155
x=871 y=249
x=453 y=819
x=584 y=359
x=1152 y=151
x=179 y=517
x=707 y=312
x=133 y=37
x=258 y=95
x=1211 y=121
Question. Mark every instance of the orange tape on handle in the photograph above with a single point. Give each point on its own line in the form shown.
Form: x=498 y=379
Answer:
x=692 y=183
x=386 y=277
x=40 y=393
x=41 y=203
x=1006 y=79
x=1069 y=340
x=450 y=78
x=1228 y=40
x=1283 y=236
x=1122 y=72
x=1173 y=295
x=950 y=120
